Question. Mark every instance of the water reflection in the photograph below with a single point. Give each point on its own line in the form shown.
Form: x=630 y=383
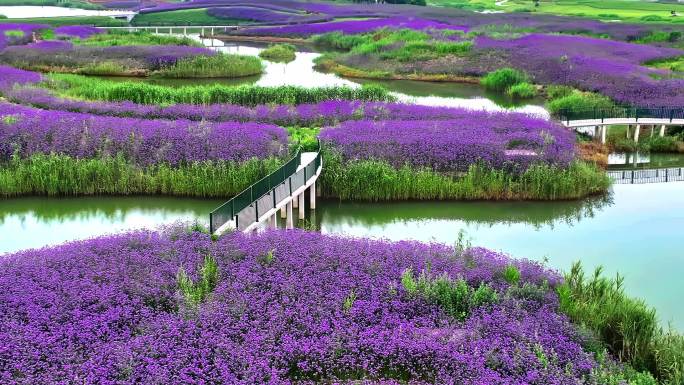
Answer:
x=36 y=221
x=629 y=160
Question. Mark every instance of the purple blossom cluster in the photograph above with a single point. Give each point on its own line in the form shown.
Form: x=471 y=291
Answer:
x=319 y=114
x=65 y=54
x=11 y=77
x=79 y=31
x=265 y=15
x=8 y=38
x=274 y=5
x=354 y=27
x=500 y=140
x=26 y=131
x=612 y=68
x=320 y=309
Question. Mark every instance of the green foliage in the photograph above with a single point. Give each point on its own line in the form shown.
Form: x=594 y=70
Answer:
x=338 y=40
x=578 y=101
x=217 y=66
x=454 y=296
x=58 y=175
x=503 y=79
x=14 y=33
x=558 y=91
x=307 y=138
x=103 y=68
x=123 y=38
x=198 y=292
x=661 y=37
x=372 y=180
x=182 y=17
x=99 y=21
x=522 y=90
x=267 y=260
x=349 y=301
x=246 y=95
x=279 y=53
x=511 y=274
x=660 y=144
x=626 y=326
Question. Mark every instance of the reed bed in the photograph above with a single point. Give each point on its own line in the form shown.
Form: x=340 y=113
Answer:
x=375 y=180
x=62 y=175
x=142 y=93
x=217 y=66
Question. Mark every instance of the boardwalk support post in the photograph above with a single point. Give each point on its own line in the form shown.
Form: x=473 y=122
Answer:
x=636 y=133
x=300 y=198
x=312 y=196
x=662 y=130
x=289 y=222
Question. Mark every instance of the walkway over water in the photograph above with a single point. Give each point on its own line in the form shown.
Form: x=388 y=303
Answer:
x=284 y=189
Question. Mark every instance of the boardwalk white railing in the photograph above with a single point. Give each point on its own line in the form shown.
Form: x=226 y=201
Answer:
x=283 y=190
x=656 y=175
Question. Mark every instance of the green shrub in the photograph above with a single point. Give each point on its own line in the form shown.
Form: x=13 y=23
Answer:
x=557 y=91
x=246 y=95
x=14 y=33
x=454 y=296
x=511 y=274
x=217 y=66
x=660 y=144
x=338 y=40
x=578 y=101
x=103 y=68
x=503 y=79
x=279 y=53
x=522 y=91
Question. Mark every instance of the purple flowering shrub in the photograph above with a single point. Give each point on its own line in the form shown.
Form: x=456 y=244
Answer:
x=500 y=140
x=288 y=307
x=11 y=77
x=354 y=27
x=264 y=15
x=79 y=31
x=615 y=69
x=17 y=34
x=26 y=131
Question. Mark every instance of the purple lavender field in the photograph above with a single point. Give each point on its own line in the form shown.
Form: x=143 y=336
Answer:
x=283 y=307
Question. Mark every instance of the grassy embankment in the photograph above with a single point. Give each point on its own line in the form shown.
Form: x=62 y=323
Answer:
x=623 y=10
x=182 y=17
x=284 y=53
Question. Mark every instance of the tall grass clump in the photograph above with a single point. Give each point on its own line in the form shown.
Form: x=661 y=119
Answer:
x=503 y=79
x=246 y=95
x=454 y=296
x=193 y=292
x=60 y=175
x=577 y=101
x=522 y=90
x=284 y=53
x=216 y=66
x=374 y=180
x=627 y=327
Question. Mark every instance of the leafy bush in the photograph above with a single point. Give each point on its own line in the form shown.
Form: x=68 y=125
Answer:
x=660 y=144
x=198 y=292
x=578 y=101
x=279 y=53
x=503 y=79
x=522 y=91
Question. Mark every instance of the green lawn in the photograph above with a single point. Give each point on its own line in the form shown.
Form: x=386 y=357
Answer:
x=101 y=21
x=182 y=17
x=624 y=10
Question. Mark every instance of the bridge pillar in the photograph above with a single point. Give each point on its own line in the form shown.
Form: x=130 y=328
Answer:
x=636 y=133
x=283 y=212
x=156 y=30
x=272 y=223
x=295 y=202
x=662 y=130
x=312 y=196
x=185 y=31
x=289 y=222
x=604 y=132
x=300 y=198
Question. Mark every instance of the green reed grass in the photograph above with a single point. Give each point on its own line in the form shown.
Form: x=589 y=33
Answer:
x=247 y=95
x=373 y=180
x=103 y=68
x=217 y=66
x=503 y=79
x=627 y=327
x=59 y=175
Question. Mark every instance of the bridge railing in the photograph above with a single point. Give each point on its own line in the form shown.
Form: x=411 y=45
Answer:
x=655 y=175
x=262 y=196
x=667 y=113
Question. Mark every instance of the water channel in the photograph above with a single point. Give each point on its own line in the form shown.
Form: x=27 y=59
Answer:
x=635 y=230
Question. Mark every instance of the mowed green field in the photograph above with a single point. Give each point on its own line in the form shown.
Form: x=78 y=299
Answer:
x=623 y=10
x=182 y=17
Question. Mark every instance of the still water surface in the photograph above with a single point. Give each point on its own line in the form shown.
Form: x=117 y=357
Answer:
x=636 y=230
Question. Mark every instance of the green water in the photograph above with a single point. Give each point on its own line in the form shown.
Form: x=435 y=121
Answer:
x=635 y=160
x=37 y=222
x=636 y=230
